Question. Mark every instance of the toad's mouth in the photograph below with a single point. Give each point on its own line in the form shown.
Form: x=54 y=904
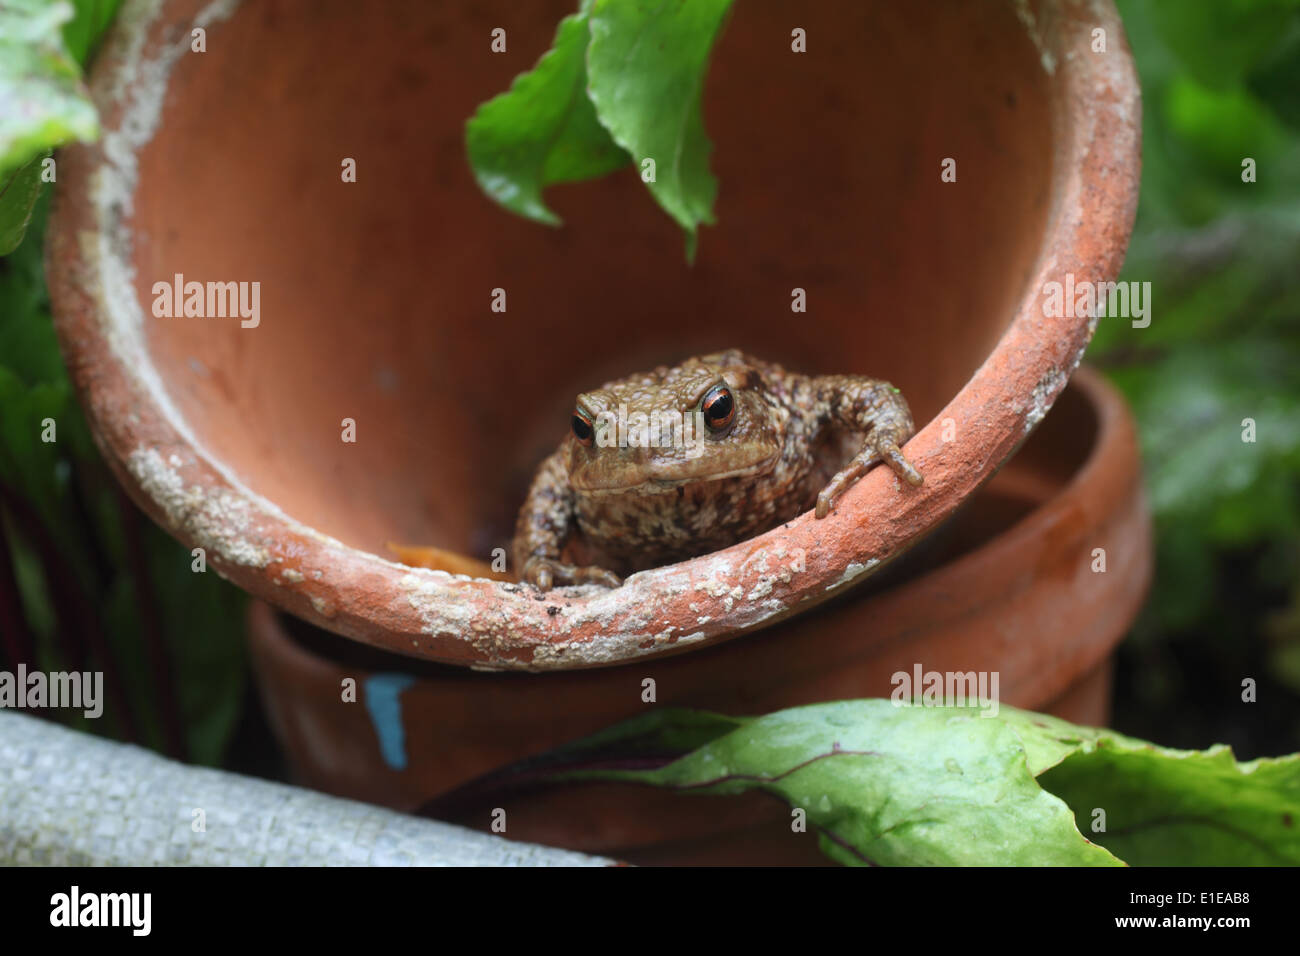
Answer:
x=662 y=479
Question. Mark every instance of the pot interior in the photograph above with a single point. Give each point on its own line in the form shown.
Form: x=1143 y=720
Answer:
x=375 y=295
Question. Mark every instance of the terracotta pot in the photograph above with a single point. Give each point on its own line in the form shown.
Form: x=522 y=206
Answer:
x=225 y=166
x=1008 y=586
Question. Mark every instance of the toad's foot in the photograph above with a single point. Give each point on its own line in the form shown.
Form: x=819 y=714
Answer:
x=885 y=448
x=545 y=573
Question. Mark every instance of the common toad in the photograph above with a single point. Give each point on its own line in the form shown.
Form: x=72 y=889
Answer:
x=687 y=459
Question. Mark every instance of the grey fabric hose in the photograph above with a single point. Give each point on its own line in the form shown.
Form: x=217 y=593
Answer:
x=68 y=798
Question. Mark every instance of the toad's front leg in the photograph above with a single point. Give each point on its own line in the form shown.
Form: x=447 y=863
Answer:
x=870 y=406
x=545 y=522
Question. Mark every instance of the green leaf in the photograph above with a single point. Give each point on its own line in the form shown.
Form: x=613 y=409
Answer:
x=42 y=101
x=648 y=60
x=950 y=785
x=1184 y=808
x=543 y=130
x=90 y=20
x=17 y=199
x=1166 y=807
x=890 y=785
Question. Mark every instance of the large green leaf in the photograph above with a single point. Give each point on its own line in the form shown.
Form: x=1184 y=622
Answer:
x=648 y=60
x=1156 y=806
x=889 y=785
x=543 y=130
x=1184 y=808
x=949 y=785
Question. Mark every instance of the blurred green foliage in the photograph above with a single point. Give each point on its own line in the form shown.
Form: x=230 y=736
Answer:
x=101 y=587
x=86 y=581
x=1221 y=85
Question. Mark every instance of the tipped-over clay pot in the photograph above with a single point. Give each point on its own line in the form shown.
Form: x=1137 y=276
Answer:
x=375 y=295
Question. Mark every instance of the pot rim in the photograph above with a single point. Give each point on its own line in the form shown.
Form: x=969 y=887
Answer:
x=1111 y=470
x=494 y=626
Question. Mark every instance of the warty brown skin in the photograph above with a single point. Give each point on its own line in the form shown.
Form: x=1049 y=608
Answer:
x=784 y=451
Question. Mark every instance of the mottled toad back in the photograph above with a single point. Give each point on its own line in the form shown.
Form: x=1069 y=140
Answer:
x=691 y=458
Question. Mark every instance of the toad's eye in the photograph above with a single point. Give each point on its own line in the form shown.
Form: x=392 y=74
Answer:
x=718 y=408
x=582 y=429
